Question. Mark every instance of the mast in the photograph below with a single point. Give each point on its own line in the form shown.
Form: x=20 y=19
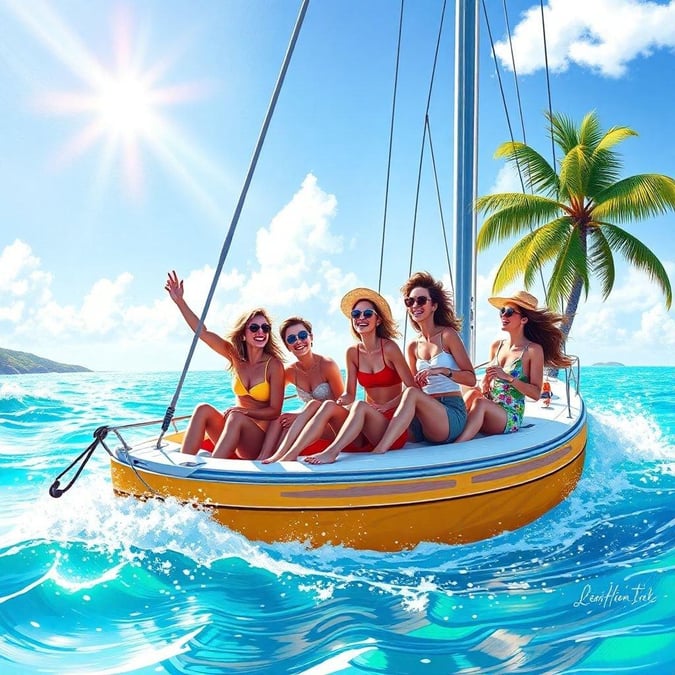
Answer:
x=465 y=167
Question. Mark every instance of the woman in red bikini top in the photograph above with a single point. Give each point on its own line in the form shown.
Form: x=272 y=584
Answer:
x=377 y=363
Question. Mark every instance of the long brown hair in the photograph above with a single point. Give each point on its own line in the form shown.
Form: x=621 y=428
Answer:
x=445 y=313
x=543 y=327
x=236 y=336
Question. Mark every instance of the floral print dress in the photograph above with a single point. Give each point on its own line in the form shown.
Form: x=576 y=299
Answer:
x=507 y=396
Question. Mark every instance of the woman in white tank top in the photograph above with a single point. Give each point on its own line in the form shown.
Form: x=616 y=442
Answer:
x=434 y=410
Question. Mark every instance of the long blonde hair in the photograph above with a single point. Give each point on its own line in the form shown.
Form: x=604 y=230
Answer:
x=237 y=334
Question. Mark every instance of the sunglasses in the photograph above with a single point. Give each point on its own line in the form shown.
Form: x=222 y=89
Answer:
x=420 y=301
x=255 y=327
x=292 y=338
x=367 y=313
x=508 y=311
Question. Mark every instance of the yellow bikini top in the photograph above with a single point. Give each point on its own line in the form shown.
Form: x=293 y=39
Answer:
x=258 y=392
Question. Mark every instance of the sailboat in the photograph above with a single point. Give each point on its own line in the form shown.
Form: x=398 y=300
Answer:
x=442 y=493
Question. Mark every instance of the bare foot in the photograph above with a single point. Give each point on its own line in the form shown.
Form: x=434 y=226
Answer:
x=379 y=451
x=325 y=457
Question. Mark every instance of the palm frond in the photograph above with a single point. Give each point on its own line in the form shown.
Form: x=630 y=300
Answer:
x=640 y=257
x=614 y=136
x=573 y=170
x=636 y=198
x=512 y=214
x=601 y=261
x=603 y=171
x=569 y=269
x=563 y=131
x=590 y=131
x=538 y=175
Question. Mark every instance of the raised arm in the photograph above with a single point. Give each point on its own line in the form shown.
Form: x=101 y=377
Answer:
x=174 y=287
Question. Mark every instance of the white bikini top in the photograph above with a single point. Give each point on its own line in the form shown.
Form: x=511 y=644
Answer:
x=439 y=384
x=322 y=392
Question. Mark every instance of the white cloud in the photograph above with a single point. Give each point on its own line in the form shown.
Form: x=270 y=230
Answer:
x=603 y=35
x=507 y=180
x=296 y=274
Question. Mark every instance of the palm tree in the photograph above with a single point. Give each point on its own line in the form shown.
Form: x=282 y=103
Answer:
x=570 y=219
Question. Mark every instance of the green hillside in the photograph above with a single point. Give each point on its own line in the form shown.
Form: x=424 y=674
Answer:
x=18 y=363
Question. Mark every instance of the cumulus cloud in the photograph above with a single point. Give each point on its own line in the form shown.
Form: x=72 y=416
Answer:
x=603 y=35
x=296 y=273
x=632 y=326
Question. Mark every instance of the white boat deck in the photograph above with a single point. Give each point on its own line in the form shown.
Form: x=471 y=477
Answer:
x=542 y=428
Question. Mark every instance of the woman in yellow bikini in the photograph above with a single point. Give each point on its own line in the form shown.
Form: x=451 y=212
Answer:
x=256 y=362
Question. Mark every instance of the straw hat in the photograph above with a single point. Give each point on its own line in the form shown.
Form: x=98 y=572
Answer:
x=352 y=297
x=521 y=298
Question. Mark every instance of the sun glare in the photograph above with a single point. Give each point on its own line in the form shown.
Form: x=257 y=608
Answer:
x=125 y=107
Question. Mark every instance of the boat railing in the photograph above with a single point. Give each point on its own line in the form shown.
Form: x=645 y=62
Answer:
x=572 y=380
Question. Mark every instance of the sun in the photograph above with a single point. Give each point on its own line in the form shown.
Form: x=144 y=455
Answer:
x=122 y=107
x=125 y=107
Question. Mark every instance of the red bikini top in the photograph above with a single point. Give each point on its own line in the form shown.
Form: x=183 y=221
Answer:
x=387 y=377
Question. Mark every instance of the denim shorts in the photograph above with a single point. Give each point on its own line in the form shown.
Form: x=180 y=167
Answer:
x=456 y=412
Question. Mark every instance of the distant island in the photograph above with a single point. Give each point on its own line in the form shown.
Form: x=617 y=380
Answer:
x=21 y=363
x=609 y=363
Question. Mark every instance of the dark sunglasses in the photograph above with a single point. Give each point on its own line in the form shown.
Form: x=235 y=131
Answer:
x=367 y=313
x=292 y=338
x=420 y=301
x=255 y=327
x=508 y=311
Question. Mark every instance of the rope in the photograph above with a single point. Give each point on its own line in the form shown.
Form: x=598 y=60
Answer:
x=237 y=212
x=56 y=491
x=391 y=143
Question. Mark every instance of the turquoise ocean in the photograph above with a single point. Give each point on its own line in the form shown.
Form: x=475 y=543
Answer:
x=92 y=583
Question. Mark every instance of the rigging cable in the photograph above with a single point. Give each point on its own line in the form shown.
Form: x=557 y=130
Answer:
x=391 y=142
x=548 y=81
x=237 y=212
x=424 y=136
x=506 y=110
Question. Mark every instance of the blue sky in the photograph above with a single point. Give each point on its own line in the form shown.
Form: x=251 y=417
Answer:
x=128 y=128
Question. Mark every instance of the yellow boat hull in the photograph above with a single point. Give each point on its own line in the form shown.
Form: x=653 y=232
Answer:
x=394 y=509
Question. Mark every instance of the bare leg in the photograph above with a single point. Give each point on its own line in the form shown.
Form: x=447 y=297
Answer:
x=241 y=436
x=273 y=436
x=329 y=413
x=301 y=420
x=486 y=416
x=205 y=420
x=362 y=418
x=415 y=403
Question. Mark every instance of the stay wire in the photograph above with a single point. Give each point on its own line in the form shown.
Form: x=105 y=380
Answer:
x=391 y=145
x=504 y=103
x=440 y=205
x=426 y=129
x=237 y=212
x=548 y=81
x=424 y=137
x=501 y=90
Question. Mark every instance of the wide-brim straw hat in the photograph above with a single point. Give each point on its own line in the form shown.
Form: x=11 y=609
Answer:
x=521 y=298
x=352 y=297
